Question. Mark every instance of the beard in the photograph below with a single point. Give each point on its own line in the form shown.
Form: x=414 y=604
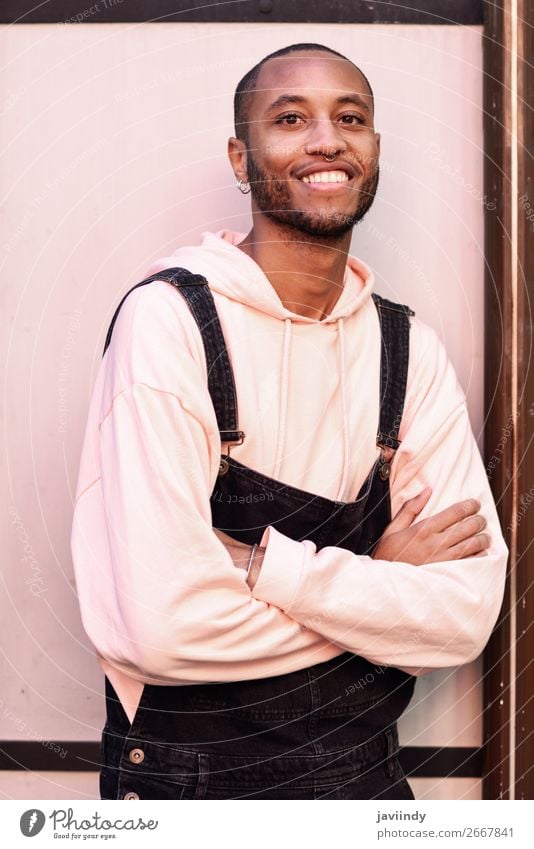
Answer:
x=273 y=199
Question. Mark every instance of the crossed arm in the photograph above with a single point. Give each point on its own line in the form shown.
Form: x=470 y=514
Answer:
x=450 y=535
x=176 y=609
x=192 y=598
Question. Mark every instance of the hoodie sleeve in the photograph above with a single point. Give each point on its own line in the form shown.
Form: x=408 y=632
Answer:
x=160 y=597
x=394 y=613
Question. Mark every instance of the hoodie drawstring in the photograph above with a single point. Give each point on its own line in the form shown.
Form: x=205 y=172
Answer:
x=283 y=400
x=345 y=424
x=284 y=383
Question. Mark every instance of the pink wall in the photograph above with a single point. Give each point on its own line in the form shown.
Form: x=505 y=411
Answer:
x=113 y=153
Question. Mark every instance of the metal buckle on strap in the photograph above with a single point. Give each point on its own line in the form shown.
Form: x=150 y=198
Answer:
x=387 y=453
x=385 y=440
x=224 y=465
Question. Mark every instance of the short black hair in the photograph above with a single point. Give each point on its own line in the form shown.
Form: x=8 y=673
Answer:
x=246 y=86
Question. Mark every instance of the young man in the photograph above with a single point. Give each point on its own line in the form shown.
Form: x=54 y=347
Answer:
x=259 y=416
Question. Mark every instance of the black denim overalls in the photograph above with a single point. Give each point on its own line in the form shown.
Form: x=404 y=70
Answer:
x=325 y=732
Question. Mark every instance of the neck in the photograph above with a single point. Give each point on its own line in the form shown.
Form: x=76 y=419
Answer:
x=306 y=272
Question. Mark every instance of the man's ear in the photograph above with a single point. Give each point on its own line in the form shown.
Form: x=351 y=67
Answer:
x=377 y=142
x=237 y=154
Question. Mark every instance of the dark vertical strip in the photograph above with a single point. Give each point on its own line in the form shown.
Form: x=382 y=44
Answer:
x=524 y=766
x=500 y=427
x=509 y=391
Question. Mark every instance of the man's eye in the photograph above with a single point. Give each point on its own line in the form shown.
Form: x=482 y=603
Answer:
x=287 y=117
x=352 y=119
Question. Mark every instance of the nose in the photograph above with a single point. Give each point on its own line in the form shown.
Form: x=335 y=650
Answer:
x=324 y=138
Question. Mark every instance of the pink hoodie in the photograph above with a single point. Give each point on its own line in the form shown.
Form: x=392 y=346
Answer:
x=160 y=597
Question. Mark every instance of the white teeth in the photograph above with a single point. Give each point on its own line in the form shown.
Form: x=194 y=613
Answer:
x=326 y=177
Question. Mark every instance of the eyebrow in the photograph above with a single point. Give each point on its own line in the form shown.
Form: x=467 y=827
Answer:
x=298 y=98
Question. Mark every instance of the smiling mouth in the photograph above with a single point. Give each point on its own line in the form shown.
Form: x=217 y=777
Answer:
x=328 y=177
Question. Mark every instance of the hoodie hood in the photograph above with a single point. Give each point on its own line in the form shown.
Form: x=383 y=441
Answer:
x=232 y=273
x=235 y=275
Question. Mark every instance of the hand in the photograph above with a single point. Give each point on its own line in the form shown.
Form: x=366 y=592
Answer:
x=238 y=551
x=452 y=534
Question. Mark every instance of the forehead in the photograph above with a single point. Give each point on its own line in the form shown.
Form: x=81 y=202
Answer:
x=311 y=73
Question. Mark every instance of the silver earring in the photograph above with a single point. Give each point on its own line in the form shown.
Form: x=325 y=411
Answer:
x=329 y=158
x=242 y=186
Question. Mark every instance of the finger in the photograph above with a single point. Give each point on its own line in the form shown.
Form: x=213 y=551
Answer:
x=409 y=510
x=470 y=547
x=453 y=514
x=462 y=530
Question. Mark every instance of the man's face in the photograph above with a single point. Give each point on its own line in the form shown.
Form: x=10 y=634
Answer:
x=306 y=105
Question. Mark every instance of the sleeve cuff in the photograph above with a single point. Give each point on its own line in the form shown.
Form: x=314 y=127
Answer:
x=282 y=568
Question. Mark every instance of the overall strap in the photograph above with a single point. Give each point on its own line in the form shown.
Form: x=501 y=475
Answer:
x=395 y=334
x=197 y=294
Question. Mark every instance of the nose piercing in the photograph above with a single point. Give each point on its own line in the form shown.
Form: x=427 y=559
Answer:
x=329 y=158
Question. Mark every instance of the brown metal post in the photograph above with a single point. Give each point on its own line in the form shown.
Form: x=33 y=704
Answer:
x=509 y=389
